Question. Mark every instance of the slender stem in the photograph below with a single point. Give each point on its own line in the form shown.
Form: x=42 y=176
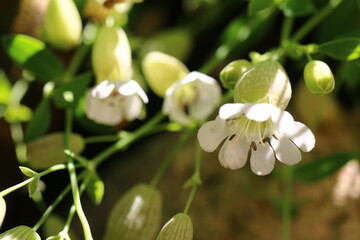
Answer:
x=97 y=139
x=170 y=155
x=128 y=139
x=75 y=62
x=17 y=135
x=286 y=203
x=196 y=181
x=286 y=29
x=16 y=187
x=315 y=20
x=73 y=179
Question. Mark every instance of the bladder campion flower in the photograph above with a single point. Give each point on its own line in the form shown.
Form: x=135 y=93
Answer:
x=116 y=97
x=258 y=128
x=20 y=233
x=194 y=97
x=179 y=227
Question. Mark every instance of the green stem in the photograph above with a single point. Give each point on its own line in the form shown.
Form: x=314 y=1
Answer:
x=196 y=181
x=286 y=203
x=73 y=179
x=97 y=139
x=286 y=29
x=17 y=135
x=165 y=163
x=315 y=20
x=75 y=62
x=128 y=139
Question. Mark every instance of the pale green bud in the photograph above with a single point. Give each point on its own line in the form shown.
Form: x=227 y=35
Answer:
x=62 y=24
x=162 y=70
x=2 y=210
x=48 y=150
x=266 y=82
x=111 y=55
x=233 y=71
x=20 y=233
x=178 y=228
x=319 y=78
x=136 y=215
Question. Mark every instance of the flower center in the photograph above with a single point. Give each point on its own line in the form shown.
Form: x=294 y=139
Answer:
x=254 y=132
x=186 y=94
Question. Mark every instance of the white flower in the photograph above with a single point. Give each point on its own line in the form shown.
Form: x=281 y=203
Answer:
x=110 y=103
x=261 y=128
x=194 y=97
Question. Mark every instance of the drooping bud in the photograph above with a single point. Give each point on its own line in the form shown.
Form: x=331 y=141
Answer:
x=63 y=25
x=48 y=150
x=162 y=70
x=319 y=78
x=266 y=82
x=177 y=228
x=111 y=55
x=136 y=216
x=233 y=71
x=20 y=233
x=2 y=210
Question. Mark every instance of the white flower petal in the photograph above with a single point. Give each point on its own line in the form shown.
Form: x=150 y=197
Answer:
x=286 y=151
x=212 y=133
x=262 y=160
x=174 y=111
x=233 y=154
x=283 y=121
x=132 y=87
x=132 y=107
x=302 y=136
x=254 y=111
x=103 y=89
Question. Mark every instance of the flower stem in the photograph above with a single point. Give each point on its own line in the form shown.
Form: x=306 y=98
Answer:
x=75 y=62
x=170 y=155
x=286 y=203
x=315 y=20
x=105 y=138
x=286 y=29
x=128 y=139
x=73 y=179
x=196 y=178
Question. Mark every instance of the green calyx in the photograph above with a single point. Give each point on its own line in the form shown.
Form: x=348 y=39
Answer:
x=319 y=78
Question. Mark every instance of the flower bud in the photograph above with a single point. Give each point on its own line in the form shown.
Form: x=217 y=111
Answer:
x=62 y=24
x=48 y=150
x=20 y=233
x=136 y=216
x=178 y=228
x=232 y=72
x=319 y=78
x=162 y=70
x=111 y=55
x=266 y=82
x=2 y=210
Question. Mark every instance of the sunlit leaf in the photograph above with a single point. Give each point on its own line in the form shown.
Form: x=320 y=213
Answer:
x=33 y=55
x=95 y=189
x=17 y=113
x=28 y=172
x=320 y=168
x=69 y=94
x=40 y=121
x=32 y=187
x=258 y=5
x=293 y=8
x=345 y=49
x=5 y=88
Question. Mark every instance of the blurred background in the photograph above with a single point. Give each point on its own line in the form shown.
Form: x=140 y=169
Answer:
x=229 y=204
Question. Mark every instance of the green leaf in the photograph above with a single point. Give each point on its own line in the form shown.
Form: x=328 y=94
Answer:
x=95 y=189
x=33 y=55
x=258 y=5
x=69 y=94
x=40 y=121
x=345 y=49
x=294 y=8
x=17 y=113
x=32 y=187
x=28 y=172
x=5 y=88
x=323 y=167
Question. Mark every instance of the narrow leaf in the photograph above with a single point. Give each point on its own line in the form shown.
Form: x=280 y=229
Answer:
x=5 y=88
x=33 y=55
x=40 y=121
x=345 y=49
x=258 y=5
x=294 y=8
x=28 y=172
x=32 y=187
x=323 y=167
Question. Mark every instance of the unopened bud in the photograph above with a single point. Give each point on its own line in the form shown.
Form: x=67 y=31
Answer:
x=20 y=233
x=2 y=210
x=232 y=72
x=136 y=216
x=111 y=55
x=162 y=70
x=63 y=25
x=178 y=228
x=319 y=78
x=266 y=82
x=48 y=150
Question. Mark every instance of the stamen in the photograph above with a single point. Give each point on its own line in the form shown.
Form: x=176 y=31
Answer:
x=232 y=137
x=253 y=146
x=275 y=137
